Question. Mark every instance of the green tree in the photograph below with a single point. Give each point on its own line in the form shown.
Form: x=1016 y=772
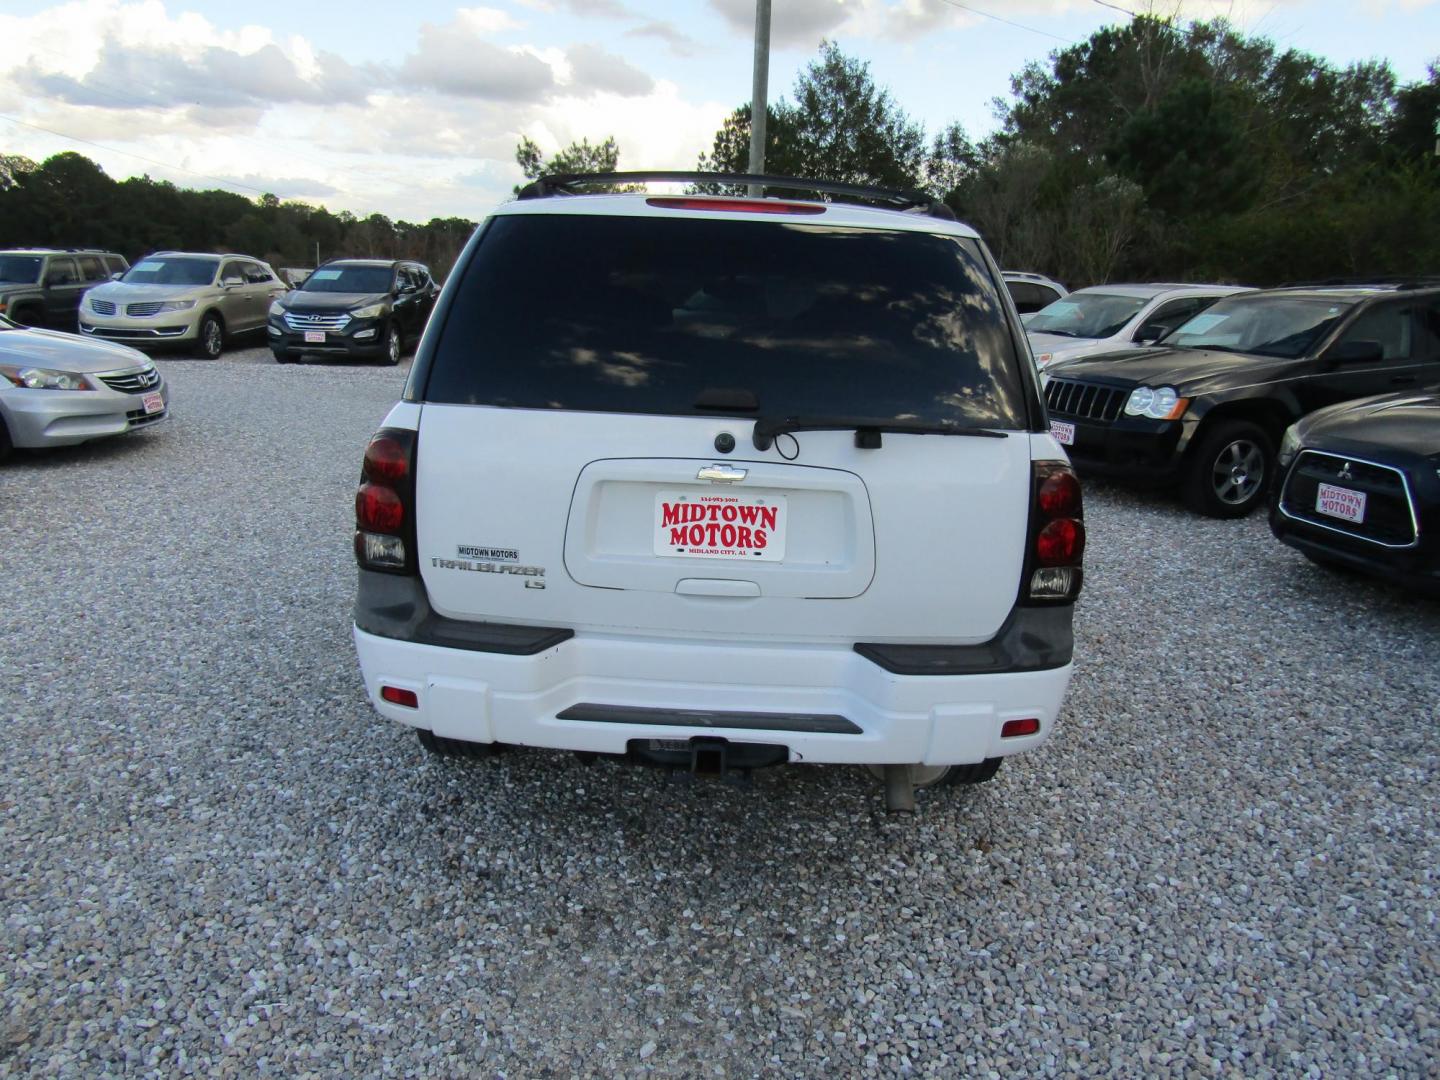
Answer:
x=841 y=126
x=12 y=168
x=578 y=157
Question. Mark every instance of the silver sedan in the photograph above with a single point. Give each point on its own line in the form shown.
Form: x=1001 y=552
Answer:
x=60 y=389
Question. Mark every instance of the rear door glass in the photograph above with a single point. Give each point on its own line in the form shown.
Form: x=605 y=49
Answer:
x=644 y=315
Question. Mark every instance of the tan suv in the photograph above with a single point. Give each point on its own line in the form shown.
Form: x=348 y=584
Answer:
x=176 y=297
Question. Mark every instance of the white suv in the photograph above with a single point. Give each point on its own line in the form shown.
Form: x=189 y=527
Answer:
x=718 y=483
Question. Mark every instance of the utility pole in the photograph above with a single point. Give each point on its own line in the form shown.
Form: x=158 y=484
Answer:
x=758 y=91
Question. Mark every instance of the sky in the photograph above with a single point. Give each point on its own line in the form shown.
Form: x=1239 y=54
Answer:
x=413 y=108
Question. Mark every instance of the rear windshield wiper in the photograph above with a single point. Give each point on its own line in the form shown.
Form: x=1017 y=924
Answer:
x=867 y=429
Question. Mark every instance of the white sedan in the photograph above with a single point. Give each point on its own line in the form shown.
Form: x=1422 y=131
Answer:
x=1104 y=318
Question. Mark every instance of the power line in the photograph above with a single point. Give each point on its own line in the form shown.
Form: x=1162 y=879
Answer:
x=137 y=157
x=1117 y=7
x=1007 y=22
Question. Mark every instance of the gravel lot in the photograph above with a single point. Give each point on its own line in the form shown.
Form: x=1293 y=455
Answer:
x=218 y=861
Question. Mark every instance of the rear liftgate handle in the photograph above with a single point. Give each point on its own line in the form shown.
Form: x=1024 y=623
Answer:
x=717 y=587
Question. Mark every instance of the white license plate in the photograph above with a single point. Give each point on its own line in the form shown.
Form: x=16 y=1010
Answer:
x=153 y=403
x=1064 y=433
x=315 y=335
x=1339 y=502
x=699 y=524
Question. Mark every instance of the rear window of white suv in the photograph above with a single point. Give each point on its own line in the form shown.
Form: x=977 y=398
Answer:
x=644 y=315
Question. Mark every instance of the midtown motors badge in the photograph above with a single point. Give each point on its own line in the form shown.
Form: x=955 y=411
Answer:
x=720 y=526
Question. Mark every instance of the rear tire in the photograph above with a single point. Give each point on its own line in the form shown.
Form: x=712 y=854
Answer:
x=1229 y=472
x=393 y=346
x=211 y=342
x=456 y=748
x=941 y=776
x=29 y=316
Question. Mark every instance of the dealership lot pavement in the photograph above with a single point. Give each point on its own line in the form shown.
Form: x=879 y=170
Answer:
x=216 y=860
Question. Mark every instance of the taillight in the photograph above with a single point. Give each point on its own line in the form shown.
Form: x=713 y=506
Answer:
x=1057 y=535
x=739 y=206
x=385 y=503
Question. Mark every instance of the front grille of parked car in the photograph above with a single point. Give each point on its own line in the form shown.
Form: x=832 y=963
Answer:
x=149 y=307
x=1389 y=518
x=1086 y=401
x=139 y=417
x=136 y=382
x=299 y=320
x=102 y=307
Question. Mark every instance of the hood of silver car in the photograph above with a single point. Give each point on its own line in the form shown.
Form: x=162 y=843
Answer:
x=65 y=352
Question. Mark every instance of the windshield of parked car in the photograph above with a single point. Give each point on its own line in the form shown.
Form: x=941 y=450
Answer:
x=1086 y=315
x=1282 y=326
x=21 y=269
x=681 y=315
x=172 y=271
x=349 y=279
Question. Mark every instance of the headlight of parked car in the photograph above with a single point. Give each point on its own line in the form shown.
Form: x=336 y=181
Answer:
x=277 y=309
x=176 y=305
x=32 y=378
x=1158 y=403
x=369 y=311
x=1289 y=447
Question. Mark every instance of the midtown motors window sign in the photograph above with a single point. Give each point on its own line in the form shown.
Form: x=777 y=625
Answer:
x=720 y=525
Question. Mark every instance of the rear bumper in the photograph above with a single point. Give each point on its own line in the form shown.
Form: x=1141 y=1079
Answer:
x=891 y=719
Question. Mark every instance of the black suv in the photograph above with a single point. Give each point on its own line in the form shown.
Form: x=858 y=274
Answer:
x=43 y=286
x=354 y=307
x=1207 y=409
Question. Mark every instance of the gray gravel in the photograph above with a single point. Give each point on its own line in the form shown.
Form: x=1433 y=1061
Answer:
x=217 y=861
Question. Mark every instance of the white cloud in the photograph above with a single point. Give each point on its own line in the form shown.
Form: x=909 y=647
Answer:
x=453 y=59
x=592 y=68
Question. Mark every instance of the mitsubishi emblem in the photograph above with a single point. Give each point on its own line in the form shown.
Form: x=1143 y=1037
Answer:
x=1344 y=473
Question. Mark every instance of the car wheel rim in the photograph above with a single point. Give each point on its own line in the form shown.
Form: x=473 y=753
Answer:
x=212 y=338
x=394 y=347
x=1238 y=473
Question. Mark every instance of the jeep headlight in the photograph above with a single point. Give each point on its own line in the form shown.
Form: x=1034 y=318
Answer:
x=1289 y=447
x=1158 y=403
x=33 y=378
x=369 y=311
x=175 y=305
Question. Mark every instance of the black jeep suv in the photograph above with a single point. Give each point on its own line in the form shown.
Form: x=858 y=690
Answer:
x=354 y=307
x=1206 y=410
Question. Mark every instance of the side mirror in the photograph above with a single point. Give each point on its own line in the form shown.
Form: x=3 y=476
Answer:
x=1151 y=333
x=1356 y=352
x=231 y=282
x=117 y=275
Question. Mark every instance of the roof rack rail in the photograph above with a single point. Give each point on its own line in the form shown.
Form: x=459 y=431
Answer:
x=892 y=198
